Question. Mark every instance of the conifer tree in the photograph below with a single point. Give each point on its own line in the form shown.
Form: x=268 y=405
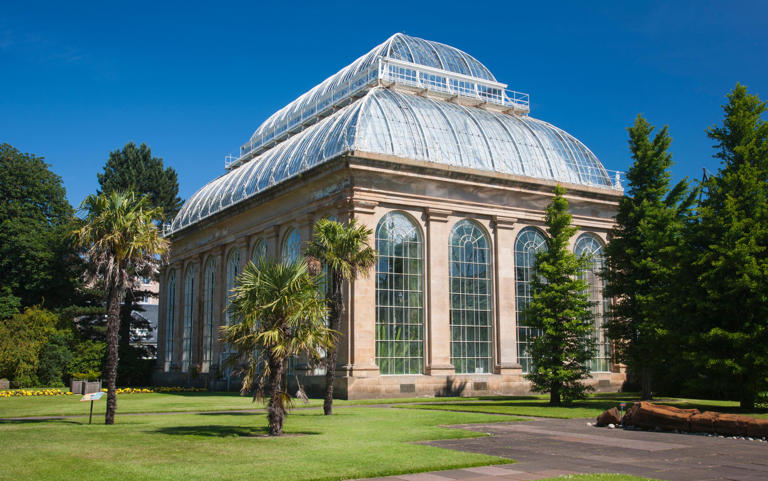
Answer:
x=729 y=344
x=560 y=310
x=643 y=256
x=135 y=169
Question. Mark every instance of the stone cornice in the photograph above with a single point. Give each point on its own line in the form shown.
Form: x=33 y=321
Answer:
x=501 y=222
x=437 y=215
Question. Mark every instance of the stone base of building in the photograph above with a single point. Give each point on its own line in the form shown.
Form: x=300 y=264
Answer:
x=382 y=387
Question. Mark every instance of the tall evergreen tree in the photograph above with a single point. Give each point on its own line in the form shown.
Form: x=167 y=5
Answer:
x=135 y=169
x=643 y=256
x=560 y=310
x=730 y=240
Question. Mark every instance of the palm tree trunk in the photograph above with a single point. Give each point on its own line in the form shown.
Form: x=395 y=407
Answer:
x=275 y=410
x=113 y=326
x=330 y=358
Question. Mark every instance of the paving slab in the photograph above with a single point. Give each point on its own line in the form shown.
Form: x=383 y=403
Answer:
x=545 y=448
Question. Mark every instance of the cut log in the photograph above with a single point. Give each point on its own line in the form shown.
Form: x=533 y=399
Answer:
x=731 y=424
x=609 y=416
x=656 y=416
x=651 y=416
x=757 y=428
x=703 y=422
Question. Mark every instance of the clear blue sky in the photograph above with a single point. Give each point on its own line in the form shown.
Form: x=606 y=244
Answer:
x=193 y=80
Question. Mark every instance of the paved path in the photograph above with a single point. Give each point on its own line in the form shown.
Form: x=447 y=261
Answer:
x=553 y=447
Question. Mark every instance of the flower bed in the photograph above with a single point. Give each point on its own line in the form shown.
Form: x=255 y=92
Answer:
x=122 y=390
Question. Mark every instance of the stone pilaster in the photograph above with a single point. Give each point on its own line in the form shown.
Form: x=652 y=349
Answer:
x=506 y=323
x=178 y=322
x=361 y=321
x=272 y=238
x=438 y=329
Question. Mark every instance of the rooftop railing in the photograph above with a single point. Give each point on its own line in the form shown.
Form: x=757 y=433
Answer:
x=387 y=72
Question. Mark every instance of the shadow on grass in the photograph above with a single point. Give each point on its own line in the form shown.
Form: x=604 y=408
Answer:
x=219 y=431
x=254 y=412
x=36 y=421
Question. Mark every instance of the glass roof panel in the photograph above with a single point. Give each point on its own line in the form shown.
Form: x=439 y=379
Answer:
x=403 y=125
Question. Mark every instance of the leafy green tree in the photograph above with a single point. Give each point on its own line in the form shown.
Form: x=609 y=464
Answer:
x=135 y=169
x=560 y=310
x=37 y=261
x=278 y=314
x=344 y=249
x=22 y=338
x=644 y=255
x=87 y=356
x=55 y=358
x=122 y=239
x=730 y=240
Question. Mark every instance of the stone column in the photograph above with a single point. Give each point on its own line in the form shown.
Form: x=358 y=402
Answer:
x=218 y=303
x=506 y=323
x=198 y=321
x=178 y=314
x=304 y=226
x=438 y=329
x=162 y=301
x=272 y=238
x=362 y=310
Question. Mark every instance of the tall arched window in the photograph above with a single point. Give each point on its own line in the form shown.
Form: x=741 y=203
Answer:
x=259 y=251
x=399 y=296
x=529 y=242
x=209 y=313
x=233 y=269
x=291 y=250
x=189 y=309
x=170 y=318
x=590 y=245
x=470 y=291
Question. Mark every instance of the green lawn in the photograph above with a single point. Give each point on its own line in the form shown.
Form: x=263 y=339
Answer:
x=588 y=408
x=156 y=402
x=354 y=442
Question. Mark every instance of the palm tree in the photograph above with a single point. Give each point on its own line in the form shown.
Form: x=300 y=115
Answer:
x=278 y=314
x=344 y=249
x=121 y=239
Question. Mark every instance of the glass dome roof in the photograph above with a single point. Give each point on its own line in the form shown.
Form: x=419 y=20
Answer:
x=400 y=47
x=386 y=121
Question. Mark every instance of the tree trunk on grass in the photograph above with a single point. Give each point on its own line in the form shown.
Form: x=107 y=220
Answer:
x=276 y=409
x=113 y=326
x=330 y=359
x=554 y=396
x=747 y=401
x=646 y=393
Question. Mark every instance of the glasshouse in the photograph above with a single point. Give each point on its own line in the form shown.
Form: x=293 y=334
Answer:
x=419 y=141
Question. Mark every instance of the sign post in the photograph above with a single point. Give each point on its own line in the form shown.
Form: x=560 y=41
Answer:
x=94 y=396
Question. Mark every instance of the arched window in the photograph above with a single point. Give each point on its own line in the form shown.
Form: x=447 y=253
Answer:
x=470 y=291
x=209 y=312
x=399 y=296
x=291 y=251
x=233 y=269
x=529 y=242
x=259 y=251
x=170 y=318
x=589 y=245
x=189 y=309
